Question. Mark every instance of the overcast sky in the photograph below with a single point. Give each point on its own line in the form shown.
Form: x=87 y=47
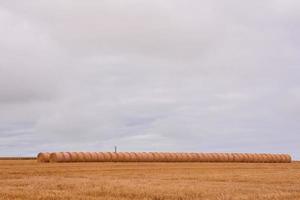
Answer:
x=211 y=76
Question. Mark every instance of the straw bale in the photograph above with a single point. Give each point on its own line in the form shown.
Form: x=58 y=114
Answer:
x=107 y=157
x=93 y=157
x=125 y=156
x=204 y=157
x=151 y=156
x=118 y=157
x=288 y=158
x=74 y=156
x=155 y=156
x=134 y=157
x=56 y=157
x=43 y=157
x=168 y=157
x=66 y=157
x=100 y=156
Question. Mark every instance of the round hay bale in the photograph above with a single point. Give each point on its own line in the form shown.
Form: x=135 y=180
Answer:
x=195 y=157
x=119 y=157
x=138 y=156
x=173 y=157
x=161 y=157
x=283 y=158
x=270 y=158
x=275 y=158
x=150 y=157
x=155 y=156
x=204 y=157
x=56 y=157
x=241 y=157
x=143 y=157
x=93 y=157
x=114 y=156
x=280 y=158
x=81 y=157
x=43 y=157
x=198 y=157
x=74 y=156
x=167 y=157
x=192 y=157
x=189 y=157
x=179 y=157
x=134 y=157
x=107 y=157
x=255 y=159
x=288 y=158
x=185 y=157
x=235 y=157
x=67 y=157
x=250 y=157
x=126 y=157
x=260 y=158
x=209 y=157
x=225 y=157
x=220 y=157
x=244 y=157
x=87 y=157
x=230 y=157
x=265 y=158
x=213 y=157
x=101 y=156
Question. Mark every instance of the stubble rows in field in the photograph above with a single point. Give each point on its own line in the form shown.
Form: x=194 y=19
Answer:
x=27 y=179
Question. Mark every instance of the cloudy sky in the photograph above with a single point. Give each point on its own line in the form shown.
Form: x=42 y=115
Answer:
x=211 y=76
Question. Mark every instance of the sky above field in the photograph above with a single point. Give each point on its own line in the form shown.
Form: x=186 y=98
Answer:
x=212 y=76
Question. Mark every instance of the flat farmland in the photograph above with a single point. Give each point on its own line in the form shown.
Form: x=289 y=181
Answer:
x=27 y=179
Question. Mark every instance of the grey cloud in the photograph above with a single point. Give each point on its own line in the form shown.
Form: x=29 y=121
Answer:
x=149 y=76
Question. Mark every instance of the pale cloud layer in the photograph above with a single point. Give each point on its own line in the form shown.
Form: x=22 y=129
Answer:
x=149 y=76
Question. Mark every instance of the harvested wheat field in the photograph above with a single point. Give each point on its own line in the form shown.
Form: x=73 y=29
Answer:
x=28 y=179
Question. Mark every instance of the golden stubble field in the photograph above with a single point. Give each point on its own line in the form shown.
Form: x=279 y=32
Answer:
x=27 y=179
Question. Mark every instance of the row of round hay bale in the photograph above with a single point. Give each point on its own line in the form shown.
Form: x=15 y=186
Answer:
x=161 y=157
